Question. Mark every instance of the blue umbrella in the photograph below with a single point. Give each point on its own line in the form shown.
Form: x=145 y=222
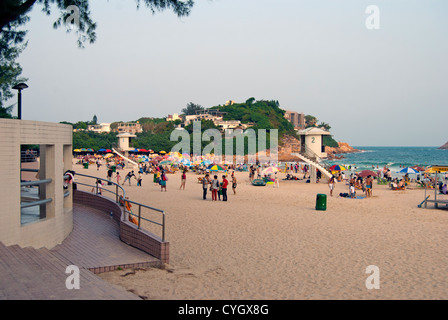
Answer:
x=102 y=150
x=408 y=170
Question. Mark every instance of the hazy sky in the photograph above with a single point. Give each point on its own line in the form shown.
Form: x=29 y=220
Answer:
x=380 y=87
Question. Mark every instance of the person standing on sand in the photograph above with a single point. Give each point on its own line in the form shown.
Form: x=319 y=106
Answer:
x=331 y=185
x=214 y=188
x=118 y=177
x=369 y=184
x=205 y=183
x=183 y=179
x=163 y=180
x=234 y=183
x=276 y=181
x=225 y=183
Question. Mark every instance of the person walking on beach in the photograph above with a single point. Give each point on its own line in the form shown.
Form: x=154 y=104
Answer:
x=214 y=188
x=331 y=184
x=205 y=183
x=118 y=177
x=183 y=179
x=234 y=183
x=225 y=183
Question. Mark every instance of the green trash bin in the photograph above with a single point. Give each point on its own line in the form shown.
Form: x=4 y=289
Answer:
x=321 y=202
x=86 y=165
x=114 y=168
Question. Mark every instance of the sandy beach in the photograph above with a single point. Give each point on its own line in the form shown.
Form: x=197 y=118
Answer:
x=271 y=244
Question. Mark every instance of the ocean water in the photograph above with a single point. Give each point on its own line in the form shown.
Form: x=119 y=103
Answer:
x=394 y=157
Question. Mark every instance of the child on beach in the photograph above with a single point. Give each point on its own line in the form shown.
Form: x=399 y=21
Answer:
x=331 y=184
x=118 y=177
x=163 y=180
x=352 y=190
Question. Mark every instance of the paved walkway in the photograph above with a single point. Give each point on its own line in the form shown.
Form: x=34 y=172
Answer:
x=39 y=274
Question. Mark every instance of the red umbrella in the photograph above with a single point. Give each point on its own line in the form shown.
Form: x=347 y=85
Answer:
x=418 y=168
x=366 y=173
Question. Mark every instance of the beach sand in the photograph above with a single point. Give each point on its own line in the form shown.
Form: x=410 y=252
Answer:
x=271 y=244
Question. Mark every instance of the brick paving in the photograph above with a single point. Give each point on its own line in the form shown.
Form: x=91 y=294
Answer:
x=93 y=246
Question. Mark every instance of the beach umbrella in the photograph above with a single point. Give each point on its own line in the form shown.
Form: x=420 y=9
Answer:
x=108 y=155
x=408 y=170
x=270 y=170
x=337 y=168
x=102 y=150
x=143 y=150
x=165 y=162
x=90 y=150
x=162 y=152
x=366 y=173
x=216 y=167
x=77 y=150
x=83 y=149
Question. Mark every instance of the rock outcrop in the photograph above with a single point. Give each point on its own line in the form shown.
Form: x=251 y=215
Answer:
x=444 y=147
x=343 y=148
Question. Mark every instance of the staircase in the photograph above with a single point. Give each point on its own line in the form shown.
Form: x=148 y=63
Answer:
x=39 y=274
x=316 y=161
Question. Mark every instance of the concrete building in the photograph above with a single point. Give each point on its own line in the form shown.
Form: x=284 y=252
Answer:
x=129 y=127
x=173 y=117
x=41 y=214
x=297 y=119
x=99 y=128
x=311 y=141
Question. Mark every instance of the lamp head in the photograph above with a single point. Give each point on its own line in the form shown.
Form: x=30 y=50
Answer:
x=20 y=86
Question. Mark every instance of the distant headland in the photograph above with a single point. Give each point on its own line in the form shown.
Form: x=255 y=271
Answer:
x=444 y=147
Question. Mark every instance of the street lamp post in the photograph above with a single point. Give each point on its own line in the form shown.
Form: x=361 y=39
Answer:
x=20 y=87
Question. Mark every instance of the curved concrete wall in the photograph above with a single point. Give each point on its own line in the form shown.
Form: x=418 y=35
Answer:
x=55 y=142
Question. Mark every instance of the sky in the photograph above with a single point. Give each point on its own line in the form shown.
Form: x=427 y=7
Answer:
x=375 y=87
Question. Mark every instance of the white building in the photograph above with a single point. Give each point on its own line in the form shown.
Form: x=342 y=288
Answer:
x=99 y=128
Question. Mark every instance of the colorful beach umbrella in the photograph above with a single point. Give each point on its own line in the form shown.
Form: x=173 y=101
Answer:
x=408 y=170
x=216 y=167
x=270 y=170
x=77 y=150
x=166 y=162
x=337 y=168
x=102 y=150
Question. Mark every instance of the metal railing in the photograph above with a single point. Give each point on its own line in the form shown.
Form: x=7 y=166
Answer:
x=121 y=199
x=38 y=183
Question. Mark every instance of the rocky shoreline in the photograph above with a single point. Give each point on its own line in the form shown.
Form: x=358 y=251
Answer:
x=444 y=147
x=333 y=152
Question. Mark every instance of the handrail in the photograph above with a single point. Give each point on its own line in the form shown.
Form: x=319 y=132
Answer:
x=124 y=199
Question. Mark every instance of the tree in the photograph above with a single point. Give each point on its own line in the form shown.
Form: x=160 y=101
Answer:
x=310 y=121
x=192 y=109
x=94 y=120
x=11 y=45
x=77 y=12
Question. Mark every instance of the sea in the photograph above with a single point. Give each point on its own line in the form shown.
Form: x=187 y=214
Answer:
x=395 y=158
